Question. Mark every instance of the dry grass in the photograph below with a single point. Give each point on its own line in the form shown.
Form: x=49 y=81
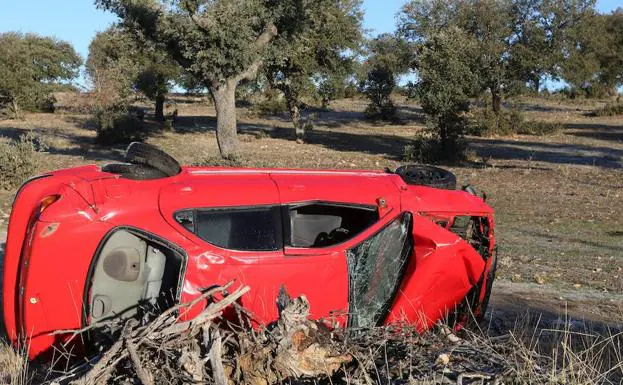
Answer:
x=13 y=366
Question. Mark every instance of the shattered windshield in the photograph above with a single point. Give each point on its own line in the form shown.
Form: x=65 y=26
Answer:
x=375 y=270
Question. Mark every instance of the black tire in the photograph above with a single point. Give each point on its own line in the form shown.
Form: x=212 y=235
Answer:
x=146 y=154
x=133 y=171
x=424 y=175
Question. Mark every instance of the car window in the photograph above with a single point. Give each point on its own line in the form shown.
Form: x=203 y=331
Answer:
x=245 y=229
x=326 y=224
x=375 y=269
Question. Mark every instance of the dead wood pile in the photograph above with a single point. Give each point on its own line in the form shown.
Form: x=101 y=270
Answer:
x=293 y=350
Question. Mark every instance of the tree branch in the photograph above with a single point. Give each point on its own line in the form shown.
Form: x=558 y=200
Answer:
x=200 y=23
x=266 y=36
x=251 y=72
x=260 y=43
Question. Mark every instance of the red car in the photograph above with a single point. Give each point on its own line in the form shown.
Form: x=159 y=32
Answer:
x=88 y=244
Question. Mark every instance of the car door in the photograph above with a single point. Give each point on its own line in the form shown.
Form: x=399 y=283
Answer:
x=325 y=216
x=233 y=221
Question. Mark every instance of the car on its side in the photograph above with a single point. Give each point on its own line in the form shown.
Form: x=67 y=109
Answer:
x=366 y=248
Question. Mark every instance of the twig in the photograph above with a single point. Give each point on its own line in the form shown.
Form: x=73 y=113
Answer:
x=101 y=368
x=165 y=315
x=472 y=376
x=213 y=336
x=213 y=311
x=143 y=374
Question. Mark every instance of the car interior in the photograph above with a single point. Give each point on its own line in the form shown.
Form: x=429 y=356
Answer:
x=325 y=224
x=133 y=276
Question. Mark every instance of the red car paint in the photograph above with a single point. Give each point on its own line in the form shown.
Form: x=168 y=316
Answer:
x=50 y=249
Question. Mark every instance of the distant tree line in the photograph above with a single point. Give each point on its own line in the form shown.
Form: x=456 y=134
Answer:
x=301 y=49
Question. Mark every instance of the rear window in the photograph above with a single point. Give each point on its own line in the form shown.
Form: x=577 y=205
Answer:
x=245 y=229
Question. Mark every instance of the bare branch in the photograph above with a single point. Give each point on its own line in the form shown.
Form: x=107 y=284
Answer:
x=265 y=38
x=213 y=337
x=142 y=373
x=262 y=41
x=251 y=72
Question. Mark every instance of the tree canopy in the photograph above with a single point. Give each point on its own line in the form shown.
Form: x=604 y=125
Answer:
x=388 y=57
x=30 y=65
x=515 y=41
x=120 y=62
x=593 y=57
x=318 y=44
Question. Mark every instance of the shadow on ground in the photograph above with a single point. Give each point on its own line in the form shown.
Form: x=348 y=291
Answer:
x=603 y=132
x=82 y=146
x=556 y=153
x=390 y=146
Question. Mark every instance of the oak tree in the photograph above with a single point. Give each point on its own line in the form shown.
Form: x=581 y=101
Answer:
x=319 y=41
x=220 y=42
x=30 y=66
x=120 y=62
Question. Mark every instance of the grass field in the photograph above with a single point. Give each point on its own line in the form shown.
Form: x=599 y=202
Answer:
x=558 y=199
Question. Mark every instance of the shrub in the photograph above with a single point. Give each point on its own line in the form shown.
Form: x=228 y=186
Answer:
x=116 y=125
x=385 y=111
x=611 y=109
x=540 y=128
x=350 y=91
x=327 y=92
x=486 y=123
x=19 y=159
x=429 y=148
x=167 y=125
x=411 y=91
x=378 y=88
x=272 y=103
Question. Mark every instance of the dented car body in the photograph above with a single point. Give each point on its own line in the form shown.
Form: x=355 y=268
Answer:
x=364 y=247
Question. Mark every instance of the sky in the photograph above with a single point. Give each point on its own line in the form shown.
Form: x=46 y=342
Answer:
x=77 y=21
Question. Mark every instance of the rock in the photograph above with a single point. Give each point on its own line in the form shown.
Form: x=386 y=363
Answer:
x=539 y=278
x=443 y=359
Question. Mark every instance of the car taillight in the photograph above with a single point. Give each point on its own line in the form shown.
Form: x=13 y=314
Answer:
x=47 y=201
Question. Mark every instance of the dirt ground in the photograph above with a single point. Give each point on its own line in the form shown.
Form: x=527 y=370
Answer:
x=558 y=199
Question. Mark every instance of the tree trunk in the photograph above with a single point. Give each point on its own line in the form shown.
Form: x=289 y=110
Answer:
x=159 y=115
x=537 y=84
x=295 y=115
x=496 y=100
x=224 y=96
x=15 y=108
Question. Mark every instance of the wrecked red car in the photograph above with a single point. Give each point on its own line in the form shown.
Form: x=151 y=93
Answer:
x=91 y=243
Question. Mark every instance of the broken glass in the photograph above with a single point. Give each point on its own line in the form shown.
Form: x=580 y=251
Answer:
x=375 y=269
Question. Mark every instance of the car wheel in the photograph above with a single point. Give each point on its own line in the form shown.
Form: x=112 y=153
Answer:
x=431 y=176
x=148 y=155
x=133 y=171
